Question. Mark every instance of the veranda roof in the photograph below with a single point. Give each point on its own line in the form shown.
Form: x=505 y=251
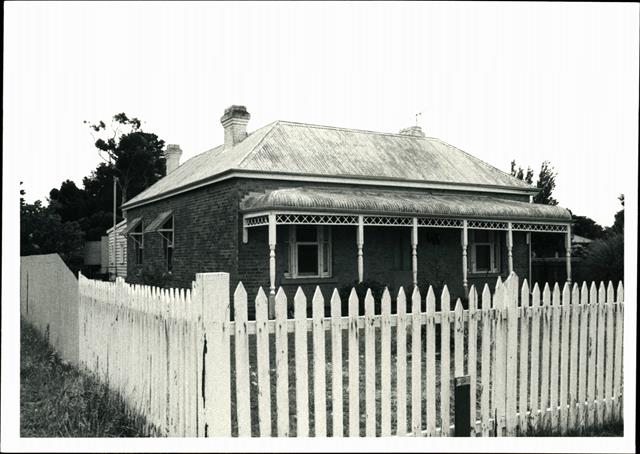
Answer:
x=131 y=226
x=401 y=203
x=159 y=221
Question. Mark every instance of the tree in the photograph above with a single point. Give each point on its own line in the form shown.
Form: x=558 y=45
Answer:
x=586 y=227
x=136 y=156
x=618 y=221
x=133 y=156
x=519 y=173
x=604 y=259
x=546 y=183
x=43 y=232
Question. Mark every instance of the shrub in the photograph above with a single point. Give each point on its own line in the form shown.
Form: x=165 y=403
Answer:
x=604 y=260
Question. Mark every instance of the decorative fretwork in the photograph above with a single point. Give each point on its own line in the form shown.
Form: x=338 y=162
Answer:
x=316 y=219
x=387 y=220
x=257 y=221
x=336 y=219
x=539 y=227
x=488 y=225
x=435 y=222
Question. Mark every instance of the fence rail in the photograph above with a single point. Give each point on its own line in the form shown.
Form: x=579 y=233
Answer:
x=536 y=359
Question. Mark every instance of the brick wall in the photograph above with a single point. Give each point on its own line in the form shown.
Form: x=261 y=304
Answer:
x=205 y=237
x=208 y=238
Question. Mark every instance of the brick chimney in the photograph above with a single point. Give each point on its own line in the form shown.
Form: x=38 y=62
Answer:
x=234 y=121
x=172 y=154
x=415 y=131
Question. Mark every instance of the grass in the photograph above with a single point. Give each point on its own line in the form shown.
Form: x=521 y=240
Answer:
x=58 y=400
x=608 y=430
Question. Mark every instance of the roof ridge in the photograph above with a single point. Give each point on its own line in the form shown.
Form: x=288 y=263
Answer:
x=273 y=124
x=340 y=128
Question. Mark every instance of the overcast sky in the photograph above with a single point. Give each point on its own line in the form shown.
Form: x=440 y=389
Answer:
x=530 y=82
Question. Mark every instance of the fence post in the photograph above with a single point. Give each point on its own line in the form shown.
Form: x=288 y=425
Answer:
x=213 y=291
x=462 y=406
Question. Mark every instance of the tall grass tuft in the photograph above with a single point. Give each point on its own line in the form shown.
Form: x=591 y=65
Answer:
x=58 y=400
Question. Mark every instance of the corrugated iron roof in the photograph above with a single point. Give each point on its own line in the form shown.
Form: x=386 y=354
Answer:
x=409 y=203
x=303 y=149
x=159 y=221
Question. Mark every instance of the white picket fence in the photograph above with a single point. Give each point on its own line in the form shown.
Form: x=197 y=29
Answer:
x=536 y=360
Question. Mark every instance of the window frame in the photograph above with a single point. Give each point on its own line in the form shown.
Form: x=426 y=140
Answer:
x=494 y=252
x=137 y=235
x=323 y=243
x=168 y=242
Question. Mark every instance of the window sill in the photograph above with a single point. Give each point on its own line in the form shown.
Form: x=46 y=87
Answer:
x=309 y=280
x=484 y=274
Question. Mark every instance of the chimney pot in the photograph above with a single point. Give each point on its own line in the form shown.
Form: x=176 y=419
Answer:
x=172 y=155
x=234 y=121
x=415 y=131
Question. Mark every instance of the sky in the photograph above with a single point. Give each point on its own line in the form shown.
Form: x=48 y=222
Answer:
x=502 y=81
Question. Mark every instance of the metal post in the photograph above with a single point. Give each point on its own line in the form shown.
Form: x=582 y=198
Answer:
x=462 y=406
x=272 y=253
x=414 y=251
x=568 y=251
x=465 y=241
x=510 y=246
x=114 y=226
x=360 y=244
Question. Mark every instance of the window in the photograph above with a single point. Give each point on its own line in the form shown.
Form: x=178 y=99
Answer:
x=166 y=231
x=485 y=251
x=309 y=251
x=138 y=243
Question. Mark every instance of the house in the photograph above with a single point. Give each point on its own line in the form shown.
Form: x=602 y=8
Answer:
x=293 y=204
x=114 y=260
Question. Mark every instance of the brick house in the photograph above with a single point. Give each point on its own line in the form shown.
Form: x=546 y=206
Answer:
x=294 y=204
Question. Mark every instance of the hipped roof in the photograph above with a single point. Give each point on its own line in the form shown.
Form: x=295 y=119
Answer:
x=289 y=148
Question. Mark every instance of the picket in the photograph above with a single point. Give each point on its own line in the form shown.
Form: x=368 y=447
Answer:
x=600 y=355
x=319 y=373
x=445 y=368
x=430 y=358
x=282 y=365
x=500 y=350
x=401 y=363
x=337 y=406
x=416 y=364
x=167 y=352
x=370 y=366
x=511 y=369
x=472 y=353
x=555 y=355
x=523 y=382
x=385 y=365
x=262 y=356
x=573 y=357
x=564 y=358
x=546 y=345
x=608 y=379
x=535 y=357
x=485 y=377
x=243 y=405
x=354 y=372
x=582 y=360
x=617 y=377
x=302 y=367
x=592 y=349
